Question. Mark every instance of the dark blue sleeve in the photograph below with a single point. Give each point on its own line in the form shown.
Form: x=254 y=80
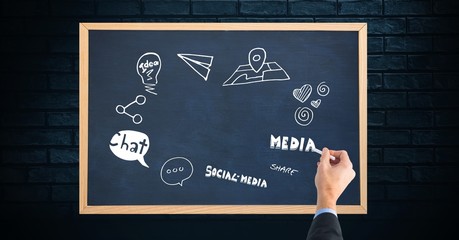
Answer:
x=325 y=226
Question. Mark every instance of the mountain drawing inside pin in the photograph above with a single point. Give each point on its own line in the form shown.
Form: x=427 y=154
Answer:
x=257 y=70
x=199 y=63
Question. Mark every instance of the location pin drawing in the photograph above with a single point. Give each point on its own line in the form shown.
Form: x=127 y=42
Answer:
x=257 y=57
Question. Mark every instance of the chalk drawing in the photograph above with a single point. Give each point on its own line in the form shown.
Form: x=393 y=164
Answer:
x=322 y=89
x=303 y=116
x=130 y=145
x=136 y=118
x=257 y=70
x=302 y=94
x=176 y=170
x=316 y=103
x=199 y=63
x=148 y=67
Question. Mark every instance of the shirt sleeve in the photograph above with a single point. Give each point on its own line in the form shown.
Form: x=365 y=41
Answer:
x=325 y=210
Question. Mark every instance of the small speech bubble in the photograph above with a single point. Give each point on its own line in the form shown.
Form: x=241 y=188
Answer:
x=176 y=170
x=130 y=145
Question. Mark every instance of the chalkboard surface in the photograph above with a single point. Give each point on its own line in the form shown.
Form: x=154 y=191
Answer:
x=218 y=118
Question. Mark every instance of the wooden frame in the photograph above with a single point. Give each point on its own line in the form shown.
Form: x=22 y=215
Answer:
x=361 y=28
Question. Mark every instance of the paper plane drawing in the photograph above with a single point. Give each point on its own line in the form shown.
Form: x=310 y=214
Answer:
x=257 y=70
x=199 y=63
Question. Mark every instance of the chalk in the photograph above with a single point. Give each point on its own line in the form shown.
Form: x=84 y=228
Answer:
x=320 y=152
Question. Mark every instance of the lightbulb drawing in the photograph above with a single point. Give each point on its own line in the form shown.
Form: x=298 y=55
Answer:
x=148 y=67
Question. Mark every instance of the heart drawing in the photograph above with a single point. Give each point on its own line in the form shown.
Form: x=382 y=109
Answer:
x=316 y=103
x=302 y=94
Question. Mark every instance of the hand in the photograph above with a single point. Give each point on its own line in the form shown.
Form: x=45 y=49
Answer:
x=332 y=177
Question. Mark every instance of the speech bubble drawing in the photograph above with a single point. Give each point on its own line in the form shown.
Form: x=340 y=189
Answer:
x=176 y=170
x=130 y=145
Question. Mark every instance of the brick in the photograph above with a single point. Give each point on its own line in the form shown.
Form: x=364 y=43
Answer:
x=376 y=118
x=389 y=137
x=266 y=19
x=36 y=137
x=26 y=193
x=376 y=192
x=386 y=62
x=76 y=137
x=427 y=25
x=407 y=7
x=49 y=100
x=448 y=81
x=446 y=154
x=448 y=44
x=445 y=6
x=155 y=7
x=408 y=44
x=315 y=7
x=374 y=81
x=63 y=45
x=375 y=44
x=13 y=175
x=118 y=8
x=67 y=155
x=447 y=118
x=214 y=7
x=435 y=174
x=388 y=174
x=63 y=119
x=408 y=155
x=359 y=7
x=408 y=81
x=432 y=100
x=24 y=156
x=65 y=193
x=14 y=44
x=387 y=100
x=409 y=119
x=53 y=175
x=434 y=137
x=40 y=64
x=375 y=25
x=12 y=27
x=24 y=8
x=73 y=8
x=52 y=27
x=63 y=81
x=25 y=119
x=433 y=62
x=21 y=82
x=410 y=192
x=39 y=219
x=374 y=155
x=266 y=8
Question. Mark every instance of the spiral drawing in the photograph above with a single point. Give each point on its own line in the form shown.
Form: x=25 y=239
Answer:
x=323 y=89
x=303 y=116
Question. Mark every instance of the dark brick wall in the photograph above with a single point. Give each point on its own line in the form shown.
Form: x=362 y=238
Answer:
x=413 y=81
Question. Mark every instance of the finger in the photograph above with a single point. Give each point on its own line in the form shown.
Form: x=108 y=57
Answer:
x=325 y=158
x=343 y=157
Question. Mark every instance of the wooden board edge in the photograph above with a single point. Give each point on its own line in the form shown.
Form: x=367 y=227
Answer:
x=363 y=75
x=353 y=26
x=83 y=112
x=217 y=209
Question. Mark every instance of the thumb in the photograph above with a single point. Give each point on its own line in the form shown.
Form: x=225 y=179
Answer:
x=325 y=158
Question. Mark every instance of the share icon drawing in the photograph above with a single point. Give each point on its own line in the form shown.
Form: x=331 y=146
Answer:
x=199 y=63
x=136 y=118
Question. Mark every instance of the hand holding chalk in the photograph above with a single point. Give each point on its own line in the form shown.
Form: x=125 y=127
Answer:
x=332 y=178
x=257 y=58
x=311 y=146
x=320 y=152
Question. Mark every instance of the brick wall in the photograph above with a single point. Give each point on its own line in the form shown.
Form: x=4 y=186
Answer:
x=413 y=81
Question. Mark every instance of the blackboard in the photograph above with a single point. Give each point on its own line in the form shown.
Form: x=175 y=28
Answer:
x=218 y=118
